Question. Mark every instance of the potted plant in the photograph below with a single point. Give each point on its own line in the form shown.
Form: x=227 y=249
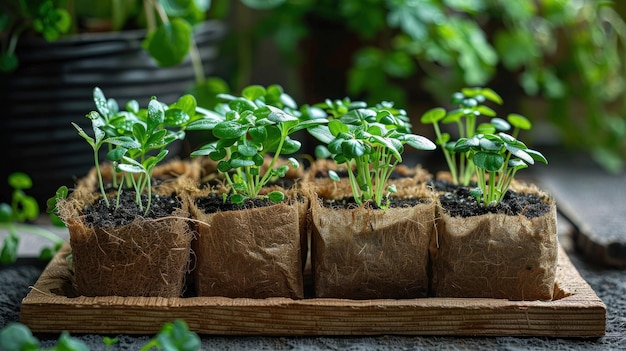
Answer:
x=250 y=239
x=495 y=238
x=371 y=244
x=49 y=53
x=130 y=237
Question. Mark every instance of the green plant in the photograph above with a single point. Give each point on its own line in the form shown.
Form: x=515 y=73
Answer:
x=174 y=336
x=483 y=152
x=370 y=140
x=246 y=129
x=470 y=106
x=169 y=25
x=136 y=139
x=23 y=208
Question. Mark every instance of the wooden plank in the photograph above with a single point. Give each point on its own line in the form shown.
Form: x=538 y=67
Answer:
x=575 y=312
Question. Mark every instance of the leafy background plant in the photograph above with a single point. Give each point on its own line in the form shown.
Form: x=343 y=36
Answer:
x=559 y=58
x=168 y=24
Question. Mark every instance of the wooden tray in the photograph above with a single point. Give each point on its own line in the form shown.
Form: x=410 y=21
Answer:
x=576 y=312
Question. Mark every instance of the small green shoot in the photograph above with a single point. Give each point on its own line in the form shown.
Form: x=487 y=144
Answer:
x=470 y=104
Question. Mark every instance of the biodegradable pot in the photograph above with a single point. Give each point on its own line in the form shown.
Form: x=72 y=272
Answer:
x=146 y=257
x=496 y=255
x=365 y=253
x=252 y=252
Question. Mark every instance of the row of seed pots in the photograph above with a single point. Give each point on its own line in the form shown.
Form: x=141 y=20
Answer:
x=225 y=224
x=356 y=252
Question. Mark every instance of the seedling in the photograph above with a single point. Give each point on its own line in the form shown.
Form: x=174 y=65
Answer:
x=470 y=106
x=23 y=208
x=497 y=158
x=136 y=139
x=247 y=128
x=483 y=152
x=370 y=141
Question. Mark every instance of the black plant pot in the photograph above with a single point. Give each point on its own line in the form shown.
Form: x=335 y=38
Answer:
x=53 y=87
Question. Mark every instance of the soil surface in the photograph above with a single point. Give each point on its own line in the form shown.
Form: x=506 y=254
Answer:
x=394 y=202
x=215 y=203
x=458 y=202
x=101 y=215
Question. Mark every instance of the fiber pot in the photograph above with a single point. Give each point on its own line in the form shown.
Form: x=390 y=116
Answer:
x=366 y=253
x=53 y=85
x=253 y=252
x=496 y=255
x=145 y=256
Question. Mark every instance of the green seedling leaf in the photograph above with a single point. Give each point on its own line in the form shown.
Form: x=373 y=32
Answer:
x=333 y=175
x=517 y=164
x=321 y=152
x=352 y=148
x=238 y=199
x=20 y=180
x=293 y=162
x=240 y=105
x=488 y=161
x=10 y=246
x=485 y=111
x=116 y=154
x=229 y=130
x=239 y=162
x=276 y=196
x=491 y=95
x=490 y=143
x=169 y=44
x=336 y=127
x=280 y=116
x=156 y=115
x=519 y=153
x=476 y=193
x=6 y=213
x=537 y=156
x=67 y=343
x=485 y=128
x=519 y=121
x=500 y=124
x=101 y=102
x=253 y=92
x=17 y=337
x=453 y=117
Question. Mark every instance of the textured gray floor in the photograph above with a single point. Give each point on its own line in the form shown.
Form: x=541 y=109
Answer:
x=608 y=283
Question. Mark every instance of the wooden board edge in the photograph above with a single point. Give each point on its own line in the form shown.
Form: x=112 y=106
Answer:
x=577 y=313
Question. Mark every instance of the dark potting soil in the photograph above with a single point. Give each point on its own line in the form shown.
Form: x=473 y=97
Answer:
x=394 y=202
x=101 y=215
x=213 y=203
x=458 y=202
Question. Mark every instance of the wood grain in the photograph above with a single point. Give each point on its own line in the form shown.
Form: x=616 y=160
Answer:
x=575 y=312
